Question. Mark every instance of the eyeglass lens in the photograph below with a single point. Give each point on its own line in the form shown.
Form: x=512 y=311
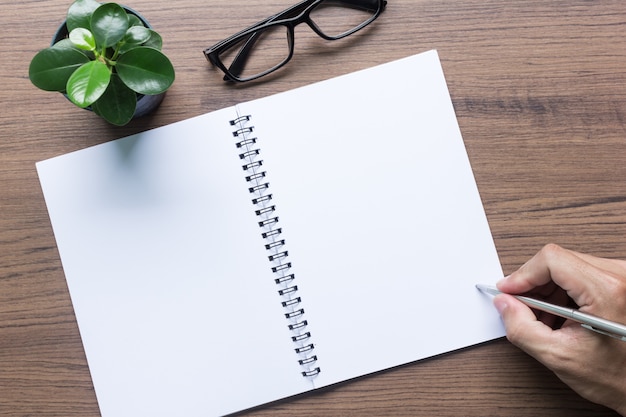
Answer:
x=335 y=19
x=265 y=50
x=258 y=53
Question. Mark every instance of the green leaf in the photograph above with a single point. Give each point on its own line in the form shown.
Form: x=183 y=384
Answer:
x=155 y=41
x=83 y=39
x=137 y=35
x=79 y=13
x=134 y=20
x=145 y=70
x=109 y=24
x=52 y=67
x=67 y=44
x=117 y=104
x=88 y=83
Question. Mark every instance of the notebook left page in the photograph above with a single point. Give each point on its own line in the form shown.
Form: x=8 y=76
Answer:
x=176 y=304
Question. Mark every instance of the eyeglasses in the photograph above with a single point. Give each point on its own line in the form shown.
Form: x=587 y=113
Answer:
x=268 y=45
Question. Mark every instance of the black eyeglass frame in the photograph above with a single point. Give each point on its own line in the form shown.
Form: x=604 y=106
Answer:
x=290 y=18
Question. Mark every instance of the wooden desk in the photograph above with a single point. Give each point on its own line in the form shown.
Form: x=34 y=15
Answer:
x=540 y=92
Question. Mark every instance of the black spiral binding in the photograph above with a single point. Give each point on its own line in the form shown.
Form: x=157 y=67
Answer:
x=275 y=244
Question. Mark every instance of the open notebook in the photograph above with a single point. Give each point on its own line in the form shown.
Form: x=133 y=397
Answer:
x=275 y=247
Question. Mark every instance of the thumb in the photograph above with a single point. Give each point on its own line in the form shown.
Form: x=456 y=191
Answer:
x=522 y=327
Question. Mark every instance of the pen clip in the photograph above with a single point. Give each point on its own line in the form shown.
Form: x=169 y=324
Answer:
x=616 y=336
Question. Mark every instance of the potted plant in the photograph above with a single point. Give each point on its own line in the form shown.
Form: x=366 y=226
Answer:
x=106 y=58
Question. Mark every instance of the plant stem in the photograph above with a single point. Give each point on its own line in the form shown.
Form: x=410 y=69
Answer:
x=116 y=53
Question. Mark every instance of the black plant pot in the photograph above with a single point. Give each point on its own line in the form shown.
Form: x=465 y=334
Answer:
x=145 y=103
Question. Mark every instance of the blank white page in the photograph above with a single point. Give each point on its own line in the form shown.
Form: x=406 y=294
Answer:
x=382 y=218
x=170 y=283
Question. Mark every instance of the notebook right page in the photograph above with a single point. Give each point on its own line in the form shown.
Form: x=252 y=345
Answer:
x=384 y=225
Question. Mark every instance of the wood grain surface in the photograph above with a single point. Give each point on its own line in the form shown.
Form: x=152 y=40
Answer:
x=539 y=88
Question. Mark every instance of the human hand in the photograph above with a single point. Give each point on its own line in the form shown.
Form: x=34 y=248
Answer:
x=592 y=364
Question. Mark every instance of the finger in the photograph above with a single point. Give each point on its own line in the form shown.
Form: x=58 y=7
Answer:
x=554 y=348
x=522 y=327
x=553 y=263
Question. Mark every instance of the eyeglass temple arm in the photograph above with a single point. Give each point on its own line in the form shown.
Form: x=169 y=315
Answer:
x=240 y=60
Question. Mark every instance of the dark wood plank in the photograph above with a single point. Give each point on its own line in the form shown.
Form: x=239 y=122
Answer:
x=539 y=89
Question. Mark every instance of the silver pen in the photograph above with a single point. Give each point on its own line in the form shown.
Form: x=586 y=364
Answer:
x=588 y=321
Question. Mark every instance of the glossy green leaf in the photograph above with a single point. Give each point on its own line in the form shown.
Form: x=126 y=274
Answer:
x=52 y=67
x=137 y=34
x=155 y=41
x=79 y=14
x=88 y=83
x=134 y=20
x=83 y=39
x=64 y=43
x=145 y=70
x=109 y=24
x=67 y=44
x=117 y=104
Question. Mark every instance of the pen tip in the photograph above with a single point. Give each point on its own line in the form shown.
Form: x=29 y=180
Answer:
x=487 y=289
